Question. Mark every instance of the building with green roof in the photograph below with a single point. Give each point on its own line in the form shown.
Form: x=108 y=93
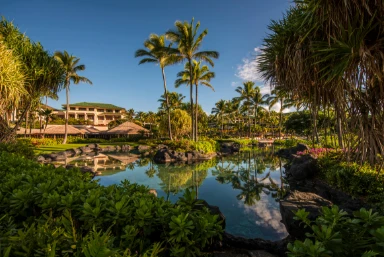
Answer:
x=98 y=113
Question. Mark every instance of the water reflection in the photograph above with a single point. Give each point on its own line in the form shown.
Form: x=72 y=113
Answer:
x=246 y=187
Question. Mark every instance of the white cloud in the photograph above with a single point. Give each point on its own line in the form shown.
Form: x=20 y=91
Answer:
x=235 y=84
x=248 y=69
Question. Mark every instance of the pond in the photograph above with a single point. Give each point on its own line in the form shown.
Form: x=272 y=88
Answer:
x=246 y=186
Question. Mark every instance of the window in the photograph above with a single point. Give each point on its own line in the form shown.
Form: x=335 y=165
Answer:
x=109 y=110
x=100 y=117
x=82 y=109
x=72 y=108
x=91 y=109
x=100 y=110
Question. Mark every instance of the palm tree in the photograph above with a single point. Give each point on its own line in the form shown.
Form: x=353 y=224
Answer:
x=247 y=92
x=157 y=52
x=219 y=112
x=200 y=76
x=47 y=114
x=175 y=101
x=257 y=101
x=70 y=64
x=188 y=44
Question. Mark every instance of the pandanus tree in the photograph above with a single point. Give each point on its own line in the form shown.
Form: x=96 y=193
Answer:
x=71 y=66
x=201 y=75
x=159 y=53
x=41 y=75
x=247 y=93
x=332 y=57
x=188 y=41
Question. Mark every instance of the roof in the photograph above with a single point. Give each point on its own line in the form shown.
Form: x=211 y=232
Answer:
x=127 y=128
x=95 y=105
x=60 y=129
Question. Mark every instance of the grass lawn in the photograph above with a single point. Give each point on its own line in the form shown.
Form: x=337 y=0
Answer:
x=58 y=148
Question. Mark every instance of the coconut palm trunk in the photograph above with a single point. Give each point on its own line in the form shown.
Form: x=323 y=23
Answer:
x=191 y=98
x=196 y=114
x=167 y=102
x=67 y=111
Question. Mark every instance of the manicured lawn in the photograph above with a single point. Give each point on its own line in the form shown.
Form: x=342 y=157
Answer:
x=61 y=147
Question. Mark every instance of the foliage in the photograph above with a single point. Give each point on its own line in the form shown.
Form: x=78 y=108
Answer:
x=21 y=147
x=334 y=233
x=358 y=180
x=205 y=146
x=180 y=123
x=46 y=211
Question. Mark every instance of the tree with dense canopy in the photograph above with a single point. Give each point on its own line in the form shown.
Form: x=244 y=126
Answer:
x=185 y=35
x=70 y=64
x=247 y=92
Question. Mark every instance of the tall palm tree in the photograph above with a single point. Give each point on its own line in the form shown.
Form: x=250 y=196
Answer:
x=257 y=101
x=188 y=44
x=70 y=64
x=247 y=92
x=200 y=76
x=157 y=52
x=219 y=112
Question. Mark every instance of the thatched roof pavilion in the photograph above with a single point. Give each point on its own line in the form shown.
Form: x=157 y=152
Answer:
x=60 y=130
x=127 y=128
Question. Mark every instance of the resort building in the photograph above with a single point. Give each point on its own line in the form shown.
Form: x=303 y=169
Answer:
x=97 y=113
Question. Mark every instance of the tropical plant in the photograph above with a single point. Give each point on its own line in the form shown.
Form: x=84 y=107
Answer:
x=247 y=92
x=200 y=76
x=70 y=64
x=180 y=122
x=188 y=45
x=219 y=112
x=175 y=101
x=157 y=52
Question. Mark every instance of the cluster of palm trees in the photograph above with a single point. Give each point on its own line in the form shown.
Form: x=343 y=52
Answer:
x=31 y=74
x=187 y=43
x=330 y=55
x=251 y=104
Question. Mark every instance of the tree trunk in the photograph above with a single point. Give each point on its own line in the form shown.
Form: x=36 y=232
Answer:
x=339 y=127
x=26 y=124
x=191 y=98
x=196 y=114
x=280 y=117
x=167 y=102
x=249 y=124
x=67 y=112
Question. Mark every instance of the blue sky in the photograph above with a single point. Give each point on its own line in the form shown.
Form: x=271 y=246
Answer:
x=105 y=34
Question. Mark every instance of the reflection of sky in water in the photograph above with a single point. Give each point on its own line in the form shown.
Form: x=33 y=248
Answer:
x=261 y=219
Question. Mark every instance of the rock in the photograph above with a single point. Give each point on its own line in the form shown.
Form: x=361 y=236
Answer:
x=60 y=157
x=85 y=149
x=302 y=167
x=143 y=148
x=288 y=152
x=70 y=166
x=161 y=146
x=296 y=200
x=259 y=253
x=87 y=169
x=153 y=191
x=92 y=146
x=163 y=156
x=229 y=147
x=71 y=152
x=41 y=158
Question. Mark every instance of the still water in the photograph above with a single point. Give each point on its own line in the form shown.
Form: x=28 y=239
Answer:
x=245 y=187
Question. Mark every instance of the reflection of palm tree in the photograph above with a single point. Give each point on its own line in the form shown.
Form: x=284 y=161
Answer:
x=223 y=173
x=151 y=171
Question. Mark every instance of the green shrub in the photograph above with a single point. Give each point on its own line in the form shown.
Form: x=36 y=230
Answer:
x=241 y=141
x=206 y=146
x=46 y=211
x=336 y=234
x=355 y=179
x=21 y=147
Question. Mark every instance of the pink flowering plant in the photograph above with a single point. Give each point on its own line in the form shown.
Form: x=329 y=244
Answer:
x=316 y=152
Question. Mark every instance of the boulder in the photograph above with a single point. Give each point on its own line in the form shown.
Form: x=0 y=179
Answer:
x=296 y=200
x=288 y=152
x=302 y=167
x=85 y=149
x=163 y=156
x=93 y=146
x=41 y=158
x=87 y=169
x=153 y=191
x=60 y=157
x=229 y=147
x=71 y=152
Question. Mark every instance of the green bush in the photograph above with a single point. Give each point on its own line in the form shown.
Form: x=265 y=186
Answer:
x=22 y=147
x=206 y=146
x=358 y=180
x=334 y=233
x=242 y=142
x=46 y=211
